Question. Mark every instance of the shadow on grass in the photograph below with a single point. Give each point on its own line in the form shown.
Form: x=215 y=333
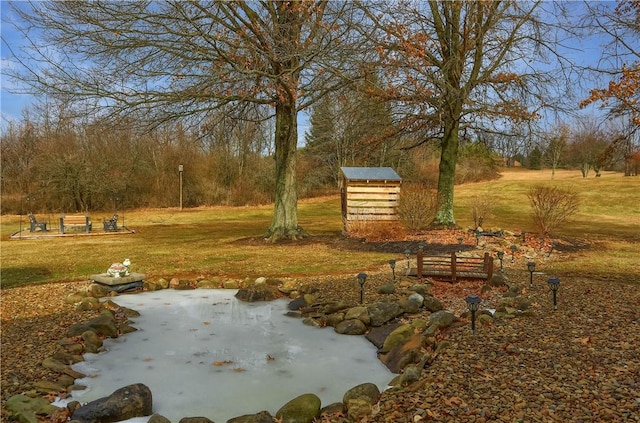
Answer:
x=17 y=276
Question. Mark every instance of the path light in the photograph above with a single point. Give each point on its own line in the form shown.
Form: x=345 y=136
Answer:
x=473 y=303
x=460 y=239
x=514 y=248
x=500 y=257
x=523 y=236
x=554 y=284
x=362 y=278
x=531 y=266
x=407 y=254
x=477 y=237
x=421 y=245
x=392 y=263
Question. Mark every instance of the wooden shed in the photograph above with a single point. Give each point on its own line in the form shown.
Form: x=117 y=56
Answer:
x=369 y=194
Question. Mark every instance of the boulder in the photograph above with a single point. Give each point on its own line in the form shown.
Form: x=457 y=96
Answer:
x=432 y=304
x=123 y=404
x=257 y=292
x=208 y=284
x=230 y=285
x=157 y=418
x=97 y=290
x=181 y=284
x=26 y=409
x=360 y=312
x=441 y=319
x=58 y=367
x=397 y=337
x=365 y=391
x=378 y=334
x=196 y=420
x=88 y=303
x=92 y=342
x=302 y=409
x=387 y=288
x=383 y=312
x=261 y=417
x=351 y=327
x=420 y=289
x=104 y=325
x=404 y=354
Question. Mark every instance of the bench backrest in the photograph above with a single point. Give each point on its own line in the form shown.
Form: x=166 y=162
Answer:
x=75 y=219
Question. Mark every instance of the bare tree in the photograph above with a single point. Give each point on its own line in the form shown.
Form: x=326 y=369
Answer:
x=177 y=60
x=455 y=67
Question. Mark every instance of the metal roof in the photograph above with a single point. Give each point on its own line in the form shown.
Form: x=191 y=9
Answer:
x=370 y=174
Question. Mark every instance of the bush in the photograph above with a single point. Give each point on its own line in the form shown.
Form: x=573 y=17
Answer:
x=417 y=206
x=551 y=207
x=481 y=209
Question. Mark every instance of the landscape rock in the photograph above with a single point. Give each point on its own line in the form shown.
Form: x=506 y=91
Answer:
x=258 y=292
x=261 y=417
x=351 y=327
x=92 y=342
x=302 y=409
x=365 y=391
x=125 y=403
x=97 y=290
x=432 y=304
x=404 y=354
x=196 y=420
x=103 y=325
x=378 y=334
x=26 y=409
x=157 y=418
x=386 y=289
x=359 y=312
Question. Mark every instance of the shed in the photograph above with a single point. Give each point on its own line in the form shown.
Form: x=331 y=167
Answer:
x=369 y=194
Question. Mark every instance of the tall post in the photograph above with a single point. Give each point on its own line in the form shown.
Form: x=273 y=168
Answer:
x=180 y=170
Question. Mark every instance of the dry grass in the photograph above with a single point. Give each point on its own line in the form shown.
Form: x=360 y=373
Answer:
x=225 y=241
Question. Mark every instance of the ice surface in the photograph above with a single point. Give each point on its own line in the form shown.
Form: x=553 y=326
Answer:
x=204 y=353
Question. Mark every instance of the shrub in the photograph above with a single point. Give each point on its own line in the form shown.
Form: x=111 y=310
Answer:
x=551 y=207
x=417 y=206
x=481 y=209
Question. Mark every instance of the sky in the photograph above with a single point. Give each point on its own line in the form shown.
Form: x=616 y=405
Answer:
x=12 y=104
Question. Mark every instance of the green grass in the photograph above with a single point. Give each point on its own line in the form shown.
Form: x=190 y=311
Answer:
x=224 y=241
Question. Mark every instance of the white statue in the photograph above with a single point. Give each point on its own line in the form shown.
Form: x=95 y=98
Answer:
x=118 y=270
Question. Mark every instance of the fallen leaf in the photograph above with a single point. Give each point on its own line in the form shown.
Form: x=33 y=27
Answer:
x=222 y=363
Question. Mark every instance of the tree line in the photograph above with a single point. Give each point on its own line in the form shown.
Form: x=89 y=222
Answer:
x=400 y=85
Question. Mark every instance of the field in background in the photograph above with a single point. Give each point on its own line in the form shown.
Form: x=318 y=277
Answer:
x=225 y=241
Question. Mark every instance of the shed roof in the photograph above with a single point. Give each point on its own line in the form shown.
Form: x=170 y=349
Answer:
x=370 y=174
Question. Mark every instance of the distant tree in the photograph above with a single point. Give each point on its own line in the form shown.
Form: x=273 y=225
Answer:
x=587 y=149
x=177 y=60
x=534 y=160
x=556 y=147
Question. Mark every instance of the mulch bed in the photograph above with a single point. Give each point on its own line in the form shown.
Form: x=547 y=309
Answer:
x=580 y=363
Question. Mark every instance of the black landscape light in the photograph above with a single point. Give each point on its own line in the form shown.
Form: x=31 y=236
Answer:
x=362 y=278
x=554 y=284
x=500 y=257
x=460 y=239
x=531 y=267
x=514 y=248
x=421 y=245
x=477 y=233
x=392 y=264
x=523 y=236
x=473 y=303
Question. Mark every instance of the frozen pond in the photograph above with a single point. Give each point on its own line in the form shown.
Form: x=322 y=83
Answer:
x=204 y=353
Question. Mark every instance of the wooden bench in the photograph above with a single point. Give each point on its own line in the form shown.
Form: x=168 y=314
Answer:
x=110 y=224
x=454 y=267
x=35 y=224
x=75 y=221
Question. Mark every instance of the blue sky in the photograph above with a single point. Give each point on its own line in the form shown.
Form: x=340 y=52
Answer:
x=12 y=104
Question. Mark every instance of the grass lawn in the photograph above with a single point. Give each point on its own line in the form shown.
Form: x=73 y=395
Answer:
x=225 y=241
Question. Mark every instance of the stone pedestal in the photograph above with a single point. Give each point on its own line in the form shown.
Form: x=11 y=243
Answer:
x=124 y=283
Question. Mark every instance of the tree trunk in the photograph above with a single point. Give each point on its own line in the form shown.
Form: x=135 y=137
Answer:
x=447 y=175
x=285 y=214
